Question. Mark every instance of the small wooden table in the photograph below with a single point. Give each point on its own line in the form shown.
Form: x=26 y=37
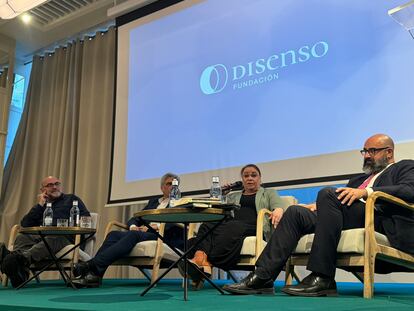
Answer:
x=51 y=230
x=185 y=215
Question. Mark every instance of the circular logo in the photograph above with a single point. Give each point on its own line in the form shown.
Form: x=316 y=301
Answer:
x=213 y=79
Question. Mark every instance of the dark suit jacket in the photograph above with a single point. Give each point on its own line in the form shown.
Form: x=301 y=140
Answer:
x=397 y=222
x=173 y=234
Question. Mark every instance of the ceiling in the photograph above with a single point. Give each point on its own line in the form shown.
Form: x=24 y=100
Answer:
x=55 y=22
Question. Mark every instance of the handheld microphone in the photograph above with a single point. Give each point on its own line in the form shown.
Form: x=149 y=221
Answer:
x=234 y=186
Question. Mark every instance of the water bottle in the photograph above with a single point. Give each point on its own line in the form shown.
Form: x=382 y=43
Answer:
x=74 y=215
x=175 y=193
x=48 y=215
x=215 y=190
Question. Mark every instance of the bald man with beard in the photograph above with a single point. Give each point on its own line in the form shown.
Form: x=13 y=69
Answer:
x=30 y=248
x=338 y=209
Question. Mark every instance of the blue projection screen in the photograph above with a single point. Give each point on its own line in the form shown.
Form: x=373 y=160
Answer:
x=204 y=87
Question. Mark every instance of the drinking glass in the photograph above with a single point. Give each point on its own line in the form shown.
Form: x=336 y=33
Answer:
x=61 y=222
x=86 y=222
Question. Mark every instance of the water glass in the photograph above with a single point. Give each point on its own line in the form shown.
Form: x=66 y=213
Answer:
x=86 y=222
x=61 y=222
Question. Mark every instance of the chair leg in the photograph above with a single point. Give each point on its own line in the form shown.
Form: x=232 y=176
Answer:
x=145 y=273
x=155 y=271
x=295 y=276
x=289 y=271
x=369 y=266
x=4 y=280
x=359 y=276
x=37 y=278
x=231 y=275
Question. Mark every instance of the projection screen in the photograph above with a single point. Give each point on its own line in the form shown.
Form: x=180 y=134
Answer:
x=204 y=87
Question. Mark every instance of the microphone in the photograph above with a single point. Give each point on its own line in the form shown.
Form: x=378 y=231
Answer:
x=234 y=186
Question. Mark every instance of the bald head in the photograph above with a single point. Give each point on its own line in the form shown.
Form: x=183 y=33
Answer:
x=49 y=179
x=378 y=153
x=381 y=140
x=51 y=187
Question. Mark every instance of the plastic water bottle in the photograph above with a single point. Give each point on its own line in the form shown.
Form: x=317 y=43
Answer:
x=175 y=193
x=215 y=190
x=48 y=215
x=74 y=215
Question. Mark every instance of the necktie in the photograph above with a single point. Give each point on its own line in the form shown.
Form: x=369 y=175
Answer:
x=366 y=182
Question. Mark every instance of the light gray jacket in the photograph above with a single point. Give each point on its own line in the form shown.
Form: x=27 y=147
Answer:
x=265 y=198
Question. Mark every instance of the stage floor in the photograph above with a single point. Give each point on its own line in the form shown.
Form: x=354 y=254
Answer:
x=168 y=295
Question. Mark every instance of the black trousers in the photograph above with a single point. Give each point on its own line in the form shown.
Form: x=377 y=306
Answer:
x=327 y=223
x=224 y=244
x=117 y=245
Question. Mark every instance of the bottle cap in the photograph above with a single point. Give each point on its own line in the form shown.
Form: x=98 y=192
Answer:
x=216 y=179
x=75 y=202
x=175 y=182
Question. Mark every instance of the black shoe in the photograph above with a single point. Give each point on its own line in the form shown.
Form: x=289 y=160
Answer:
x=3 y=253
x=81 y=269
x=90 y=280
x=251 y=285
x=313 y=286
x=16 y=267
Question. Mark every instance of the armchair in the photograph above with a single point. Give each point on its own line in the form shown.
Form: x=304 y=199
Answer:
x=147 y=254
x=361 y=249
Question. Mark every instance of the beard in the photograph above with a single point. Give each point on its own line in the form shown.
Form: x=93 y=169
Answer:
x=53 y=195
x=371 y=166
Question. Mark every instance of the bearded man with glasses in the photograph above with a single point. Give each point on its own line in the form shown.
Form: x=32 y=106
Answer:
x=336 y=210
x=30 y=248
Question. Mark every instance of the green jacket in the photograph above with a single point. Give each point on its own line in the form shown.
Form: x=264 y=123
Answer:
x=265 y=198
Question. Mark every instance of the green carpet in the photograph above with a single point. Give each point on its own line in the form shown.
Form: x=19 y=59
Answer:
x=168 y=295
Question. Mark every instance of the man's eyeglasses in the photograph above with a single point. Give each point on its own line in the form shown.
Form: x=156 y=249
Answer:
x=51 y=184
x=372 y=151
x=168 y=183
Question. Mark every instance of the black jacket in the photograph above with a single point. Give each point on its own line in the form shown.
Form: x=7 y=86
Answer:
x=174 y=235
x=397 y=222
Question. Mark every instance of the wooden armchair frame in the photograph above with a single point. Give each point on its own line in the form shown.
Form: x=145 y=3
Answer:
x=155 y=263
x=373 y=250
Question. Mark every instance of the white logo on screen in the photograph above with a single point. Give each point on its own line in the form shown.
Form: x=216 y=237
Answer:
x=214 y=78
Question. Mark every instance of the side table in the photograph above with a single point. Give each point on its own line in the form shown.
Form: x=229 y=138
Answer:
x=47 y=231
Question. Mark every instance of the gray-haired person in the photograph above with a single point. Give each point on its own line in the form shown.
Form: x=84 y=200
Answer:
x=118 y=244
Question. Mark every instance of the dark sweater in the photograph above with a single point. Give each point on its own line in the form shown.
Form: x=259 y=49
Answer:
x=61 y=209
